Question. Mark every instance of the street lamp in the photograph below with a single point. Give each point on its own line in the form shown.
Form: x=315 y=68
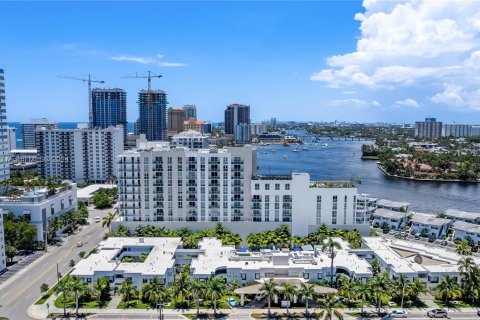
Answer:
x=160 y=313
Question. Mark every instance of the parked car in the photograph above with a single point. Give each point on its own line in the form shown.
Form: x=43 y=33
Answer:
x=97 y=219
x=398 y=314
x=79 y=243
x=437 y=313
x=232 y=302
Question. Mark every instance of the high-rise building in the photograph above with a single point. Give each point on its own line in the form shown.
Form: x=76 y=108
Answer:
x=3 y=258
x=242 y=133
x=29 y=129
x=236 y=114
x=456 y=130
x=175 y=121
x=12 y=138
x=273 y=123
x=178 y=187
x=429 y=129
x=152 y=105
x=207 y=127
x=79 y=154
x=475 y=131
x=109 y=108
x=258 y=128
x=190 y=111
x=4 y=151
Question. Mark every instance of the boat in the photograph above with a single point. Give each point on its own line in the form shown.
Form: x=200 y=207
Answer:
x=305 y=149
x=285 y=156
x=274 y=150
x=264 y=152
x=326 y=144
x=295 y=150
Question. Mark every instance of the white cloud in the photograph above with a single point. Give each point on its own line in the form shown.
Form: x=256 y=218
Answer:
x=407 y=103
x=411 y=43
x=375 y=103
x=349 y=92
x=148 y=61
x=457 y=97
x=348 y=103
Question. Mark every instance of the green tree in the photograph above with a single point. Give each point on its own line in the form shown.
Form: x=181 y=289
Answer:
x=288 y=292
x=448 y=289
x=44 y=288
x=101 y=200
x=330 y=311
x=469 y=272
x=381 y=287
x=10 y=252
x=330 y=245
x=63 y=287
x=181 y=286
x=269 y=291
x=463 y=248
x=78 y=289
x=215 y=289
x=198 y=289
x=362 y=292
x=417 y=287
x=375 y=267
x=107 y=220
x=402 y=283
x=101 y=289
x=128 y=291
x=307 y=292
x=154 y=291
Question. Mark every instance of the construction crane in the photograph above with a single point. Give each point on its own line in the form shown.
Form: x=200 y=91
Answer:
x=149 y=77
x=89 y=81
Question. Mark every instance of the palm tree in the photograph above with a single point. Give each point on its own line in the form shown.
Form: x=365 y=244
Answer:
x=403 y=283
x=330 y=245
x=448 y=289
x=288 y=292
x=181 y=286
x=215 y=289
x=307 y=292
x=375 y=267
x=107 y=220
x=79 y=289
x=198 y=289
x=381 y=288
x=329 y=305
x=362 y=291
x=154 y=291
x=463 y=248
x=269 y=291
x=64 y=288
x=467 y=270
x=417 y=287
x=128 y=290
x=234 y=284
x=346 y=287
x=101 y=288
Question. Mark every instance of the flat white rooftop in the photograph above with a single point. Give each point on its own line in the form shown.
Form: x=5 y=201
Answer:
x=430 y=220
x=462 y=214
x=88 y=191
x=391 y=204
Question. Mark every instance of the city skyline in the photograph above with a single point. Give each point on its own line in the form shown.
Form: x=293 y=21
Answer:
x=278 y=58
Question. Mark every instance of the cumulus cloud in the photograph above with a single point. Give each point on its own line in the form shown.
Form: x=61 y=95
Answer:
x=158 y=60
x=412 y=43
x=348 y=103
x=457 y=97
x=407 y=103
x=375 y=103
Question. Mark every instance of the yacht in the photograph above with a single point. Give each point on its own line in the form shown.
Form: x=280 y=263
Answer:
x=285 y=156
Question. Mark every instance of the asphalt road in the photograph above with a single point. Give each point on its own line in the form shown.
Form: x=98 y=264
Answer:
x=23 y=289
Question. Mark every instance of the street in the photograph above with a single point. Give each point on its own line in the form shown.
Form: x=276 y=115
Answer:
x=23 y=289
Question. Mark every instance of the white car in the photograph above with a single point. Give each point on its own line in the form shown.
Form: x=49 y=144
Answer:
x=79 y=244
x=395 y=314
x=97 y=219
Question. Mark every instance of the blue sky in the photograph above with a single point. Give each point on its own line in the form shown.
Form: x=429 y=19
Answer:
x=293 y=60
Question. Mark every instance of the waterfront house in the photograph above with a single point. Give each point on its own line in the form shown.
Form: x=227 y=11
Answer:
x=457 y=215
x=435 y=227
x=464 y=230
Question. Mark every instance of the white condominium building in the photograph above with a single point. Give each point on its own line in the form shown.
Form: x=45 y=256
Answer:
x=4 y=143
x=39 y=205
x=3 y=258
x=180 y=188
x=190 y=140
x=79 y=154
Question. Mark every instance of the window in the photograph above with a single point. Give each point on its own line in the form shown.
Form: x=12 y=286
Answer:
x=277 y=186
x=319 y=276
x=306 y=275
x=267 y=186
x=244 y=276
x=257 y=276
x=287 y=186
x=257 y=186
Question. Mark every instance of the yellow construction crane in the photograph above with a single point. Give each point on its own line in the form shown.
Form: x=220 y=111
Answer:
x=149 y=77
x=89 y=82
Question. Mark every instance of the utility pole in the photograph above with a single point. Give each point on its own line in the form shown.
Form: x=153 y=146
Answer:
x=89 y=82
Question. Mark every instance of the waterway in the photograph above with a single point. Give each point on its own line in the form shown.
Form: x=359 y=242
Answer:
x=340 y=160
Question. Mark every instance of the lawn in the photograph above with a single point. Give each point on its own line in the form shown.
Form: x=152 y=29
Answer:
x=457 y=304
x=83 y=304
x=179 y=305
x=135 y=304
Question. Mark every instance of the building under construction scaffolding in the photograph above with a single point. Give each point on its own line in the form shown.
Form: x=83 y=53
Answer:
x=152 y=106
